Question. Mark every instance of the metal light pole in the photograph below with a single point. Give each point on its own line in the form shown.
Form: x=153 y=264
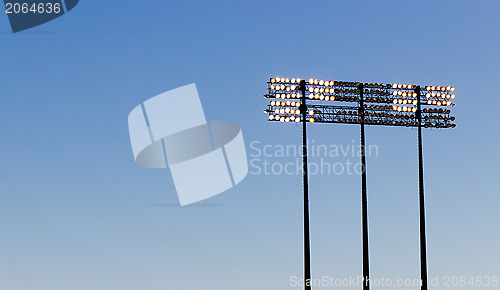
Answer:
x=364 y=206
x=421 y=200
x=307 y=246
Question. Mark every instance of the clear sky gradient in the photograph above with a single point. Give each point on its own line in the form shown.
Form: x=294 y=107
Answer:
x=77 y=213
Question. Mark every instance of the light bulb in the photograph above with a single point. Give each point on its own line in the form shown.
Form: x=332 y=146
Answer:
x=311 y=120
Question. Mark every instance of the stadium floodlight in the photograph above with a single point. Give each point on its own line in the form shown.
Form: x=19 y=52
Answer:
x=403 y=105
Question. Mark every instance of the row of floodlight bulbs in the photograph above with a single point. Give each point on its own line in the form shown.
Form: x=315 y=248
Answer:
x=322 y=97
x=287 y=110
x=395 y=108
x=413 y=109
x=287 y=119
x=317 y=91
x=372 y=114
x=440 y=95
x=439 y=117
x=292 y=111
x=284 y=119
x=369 y=85
x=325 y=83
x=440 y=88
x=283 y=103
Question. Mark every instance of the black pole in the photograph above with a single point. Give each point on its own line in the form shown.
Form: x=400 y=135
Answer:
x=421 y=201
x=307 y=247
x=364 y=207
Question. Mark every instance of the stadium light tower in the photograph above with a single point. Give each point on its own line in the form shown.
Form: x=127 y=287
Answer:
x=365 y=104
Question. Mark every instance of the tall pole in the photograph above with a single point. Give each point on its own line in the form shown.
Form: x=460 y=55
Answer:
x=364 y=207
x=307 y=247
x=421 y=201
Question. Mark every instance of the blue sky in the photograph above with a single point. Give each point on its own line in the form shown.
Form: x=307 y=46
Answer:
x=76 y=212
